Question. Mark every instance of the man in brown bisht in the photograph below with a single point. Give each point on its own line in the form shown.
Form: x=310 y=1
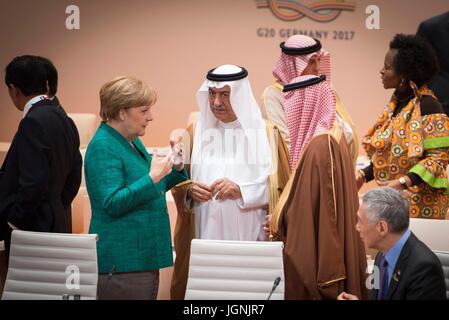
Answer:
x=316 y=213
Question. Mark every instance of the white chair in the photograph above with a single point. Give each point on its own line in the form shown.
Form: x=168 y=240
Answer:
x=45 y=266
x=86 y=125
x=81 y=212
x=434 y=233
x=235 y=270
x=83 y=156
x=193 y=117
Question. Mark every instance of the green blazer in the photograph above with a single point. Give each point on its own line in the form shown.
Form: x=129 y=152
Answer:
x=129 y=211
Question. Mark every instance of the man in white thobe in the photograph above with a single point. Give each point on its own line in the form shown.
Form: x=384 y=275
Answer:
x=230 y=160
x=233 y=180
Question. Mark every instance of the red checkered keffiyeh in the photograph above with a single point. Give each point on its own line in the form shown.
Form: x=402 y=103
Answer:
x=308 y=111
x=291 y=66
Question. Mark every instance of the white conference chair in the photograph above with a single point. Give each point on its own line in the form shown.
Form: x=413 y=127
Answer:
x=46 y=266
x=86 y=125
x=83 y=178
x=433 y=232
x=193 y=117
x=235 y=270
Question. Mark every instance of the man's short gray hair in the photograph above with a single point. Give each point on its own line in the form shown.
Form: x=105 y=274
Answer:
x=387 y=204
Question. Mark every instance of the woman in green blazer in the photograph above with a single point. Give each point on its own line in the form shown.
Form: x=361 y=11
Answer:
x=127 y=187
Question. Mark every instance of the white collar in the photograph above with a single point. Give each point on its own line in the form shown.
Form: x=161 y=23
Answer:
x=31 y=102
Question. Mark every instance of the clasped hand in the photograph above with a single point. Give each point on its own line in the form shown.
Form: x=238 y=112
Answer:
x=221 y=189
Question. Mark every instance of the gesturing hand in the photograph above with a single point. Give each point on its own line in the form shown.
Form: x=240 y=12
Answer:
x=160 y=167
x=178 y=153
x=224 y=189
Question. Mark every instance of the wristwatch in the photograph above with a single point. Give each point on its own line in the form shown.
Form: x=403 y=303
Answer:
x=403 y=182
x=361 y=174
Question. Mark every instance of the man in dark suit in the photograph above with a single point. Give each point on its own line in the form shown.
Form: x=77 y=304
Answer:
x=436 y=31
x=41 y=173
x=405 y=268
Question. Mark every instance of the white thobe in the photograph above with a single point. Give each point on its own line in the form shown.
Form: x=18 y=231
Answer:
x=239 y=219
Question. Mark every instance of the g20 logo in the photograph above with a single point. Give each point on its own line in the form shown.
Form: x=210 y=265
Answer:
x=292 y=10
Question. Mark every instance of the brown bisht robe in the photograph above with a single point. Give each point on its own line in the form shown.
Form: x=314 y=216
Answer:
x=184 y=232
x=315 y=218
x=185 y=221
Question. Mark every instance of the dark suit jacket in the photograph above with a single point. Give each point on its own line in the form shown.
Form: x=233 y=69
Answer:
x=436 y=31
x=41 y=173
x=418 y=274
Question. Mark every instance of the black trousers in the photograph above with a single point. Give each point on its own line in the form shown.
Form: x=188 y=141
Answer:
x=128 y=286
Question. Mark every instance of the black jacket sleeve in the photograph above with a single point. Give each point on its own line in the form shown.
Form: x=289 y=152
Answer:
x=73 y=181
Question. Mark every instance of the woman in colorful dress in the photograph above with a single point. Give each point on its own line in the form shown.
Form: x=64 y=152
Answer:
x=409 y=144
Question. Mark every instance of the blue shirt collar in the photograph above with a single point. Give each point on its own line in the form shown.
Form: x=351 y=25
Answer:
x=393 y=254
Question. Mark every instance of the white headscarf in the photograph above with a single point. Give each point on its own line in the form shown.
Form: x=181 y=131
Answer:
x=249 y=126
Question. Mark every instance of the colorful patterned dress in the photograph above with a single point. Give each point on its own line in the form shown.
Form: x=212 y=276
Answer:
x=411 y=143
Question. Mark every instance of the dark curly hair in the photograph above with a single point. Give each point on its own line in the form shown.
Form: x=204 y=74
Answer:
x=415 y=59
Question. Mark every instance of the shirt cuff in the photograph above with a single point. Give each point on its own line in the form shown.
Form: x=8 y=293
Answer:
x=240 y=203
x=188 y=201
x=12 y=226
x=253 y=196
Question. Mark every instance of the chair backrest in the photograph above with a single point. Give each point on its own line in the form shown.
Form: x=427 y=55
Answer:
x=235 y=270
x=81 y=212
x=83 y=178
x=193 y=117
x=46 y=266
x=432 y=232
x=86 y=125
x=444 y=258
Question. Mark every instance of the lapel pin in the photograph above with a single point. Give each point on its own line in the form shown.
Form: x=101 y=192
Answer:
x=396 y=276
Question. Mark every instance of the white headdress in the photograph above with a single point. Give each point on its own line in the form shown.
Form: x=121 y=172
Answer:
x=208 y=166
